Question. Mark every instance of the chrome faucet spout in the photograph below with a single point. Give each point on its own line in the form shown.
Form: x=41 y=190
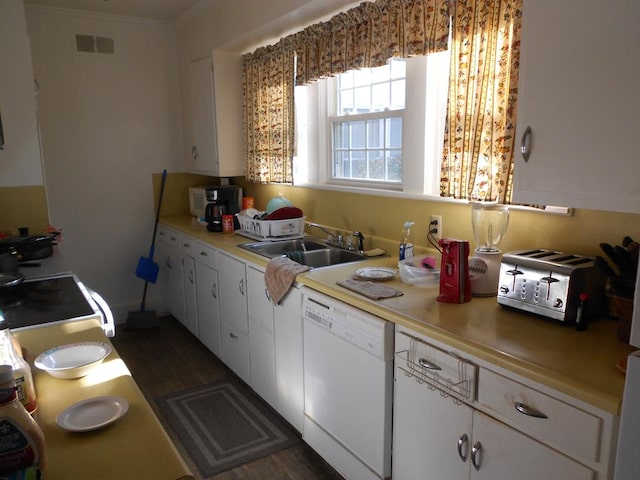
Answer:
x=333 y=237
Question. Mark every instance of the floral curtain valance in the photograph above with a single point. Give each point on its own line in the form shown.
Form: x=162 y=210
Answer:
x=369 y=34
x=483 y=85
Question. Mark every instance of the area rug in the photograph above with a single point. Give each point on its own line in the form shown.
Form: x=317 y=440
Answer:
x=223 y=425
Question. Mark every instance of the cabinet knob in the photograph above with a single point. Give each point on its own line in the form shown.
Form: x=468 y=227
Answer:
x=194 y=152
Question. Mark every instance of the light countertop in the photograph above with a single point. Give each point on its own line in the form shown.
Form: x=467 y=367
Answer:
x=579 y=364
x=134 y=447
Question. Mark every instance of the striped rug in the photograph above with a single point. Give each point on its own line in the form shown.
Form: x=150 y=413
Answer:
x=223 y=425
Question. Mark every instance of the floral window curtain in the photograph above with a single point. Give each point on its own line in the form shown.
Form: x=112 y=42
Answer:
x=369 y=34
x=268 y=113
x=365 y=36
x=479 y=137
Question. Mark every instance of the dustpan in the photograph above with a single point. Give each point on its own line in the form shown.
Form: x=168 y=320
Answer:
x=147 y=269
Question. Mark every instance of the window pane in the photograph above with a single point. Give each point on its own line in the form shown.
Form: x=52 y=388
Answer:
x=362 y=99
x=380 y=74
x=358 y=165
x=376 y=165
x=357 y=134
x=398 y=94
x=375 y=133
x=394 y=126
x=345 y=102
x=398 y=68
x=380 y=97
x=394 y=165
x=362 y=76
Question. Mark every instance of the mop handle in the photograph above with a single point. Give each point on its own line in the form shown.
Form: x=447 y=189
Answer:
x=155 y=226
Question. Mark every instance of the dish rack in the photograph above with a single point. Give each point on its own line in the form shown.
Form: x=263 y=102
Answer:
x=271 y=229
x=449 y=374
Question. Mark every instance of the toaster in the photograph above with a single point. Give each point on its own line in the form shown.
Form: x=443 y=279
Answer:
x=557 y=285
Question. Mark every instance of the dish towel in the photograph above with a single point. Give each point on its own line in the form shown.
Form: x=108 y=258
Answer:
x=279 y=275
x=370 y=289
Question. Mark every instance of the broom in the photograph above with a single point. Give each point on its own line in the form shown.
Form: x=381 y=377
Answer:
x=147 y=270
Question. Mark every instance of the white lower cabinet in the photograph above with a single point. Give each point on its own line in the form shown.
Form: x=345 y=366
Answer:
x=275 y=333
x=233 y=314
x=207 y=296
x=507 y=430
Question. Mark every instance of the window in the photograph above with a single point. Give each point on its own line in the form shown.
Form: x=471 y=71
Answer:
x=366 y=142
x=379 y=128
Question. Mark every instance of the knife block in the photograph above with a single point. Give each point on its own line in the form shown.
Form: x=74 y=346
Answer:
x=621 y=308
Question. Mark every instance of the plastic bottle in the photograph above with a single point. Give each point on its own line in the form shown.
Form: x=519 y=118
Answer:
x=21 y=438
x=406 y=246
x=11 y=354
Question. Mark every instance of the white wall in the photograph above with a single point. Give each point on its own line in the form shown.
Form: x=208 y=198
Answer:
x=108 y=122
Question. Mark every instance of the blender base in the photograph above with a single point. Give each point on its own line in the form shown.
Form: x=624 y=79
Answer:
x=484 y=270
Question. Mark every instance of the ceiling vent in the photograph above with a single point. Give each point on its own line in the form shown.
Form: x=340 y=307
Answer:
x=94 y=44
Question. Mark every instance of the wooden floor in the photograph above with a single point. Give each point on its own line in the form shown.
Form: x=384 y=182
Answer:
x=169 y=359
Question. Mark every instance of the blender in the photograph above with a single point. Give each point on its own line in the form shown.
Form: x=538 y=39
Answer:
x=489 y=222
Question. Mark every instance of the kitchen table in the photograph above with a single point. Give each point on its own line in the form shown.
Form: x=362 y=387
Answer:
x=134 y=447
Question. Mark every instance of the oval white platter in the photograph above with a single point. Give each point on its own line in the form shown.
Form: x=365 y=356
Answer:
x=376 y=273
x=66 y=361
x=92 y=413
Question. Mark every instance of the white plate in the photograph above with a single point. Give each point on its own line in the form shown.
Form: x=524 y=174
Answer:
x=73 y=360
x=376 y=273
x=92 y=414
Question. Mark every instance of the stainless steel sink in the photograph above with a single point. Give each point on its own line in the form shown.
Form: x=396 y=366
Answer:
x=313 y=253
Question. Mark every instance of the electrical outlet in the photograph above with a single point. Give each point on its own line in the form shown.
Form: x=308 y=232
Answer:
x=435 y=223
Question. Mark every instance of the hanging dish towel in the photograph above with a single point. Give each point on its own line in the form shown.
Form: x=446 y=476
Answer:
x=370 y=289
x=279 y=275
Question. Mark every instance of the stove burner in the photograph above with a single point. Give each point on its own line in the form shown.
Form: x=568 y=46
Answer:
x=43 y=301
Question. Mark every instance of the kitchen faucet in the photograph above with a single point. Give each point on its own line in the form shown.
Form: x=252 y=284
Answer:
x=336 y=239
x=332 y=236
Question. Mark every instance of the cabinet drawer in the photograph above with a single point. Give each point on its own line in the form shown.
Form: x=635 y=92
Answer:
x=169 y=236
x=205 y=254
x=235 y=351
x=566 y=427
x=188 y=246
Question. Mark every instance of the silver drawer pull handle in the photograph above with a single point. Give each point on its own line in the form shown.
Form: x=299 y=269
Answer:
x=527 y=410
x=476 y=455
x=233 y=335
x=463 y=443
x=424 y=363
x=204 y=254
x=525 y=144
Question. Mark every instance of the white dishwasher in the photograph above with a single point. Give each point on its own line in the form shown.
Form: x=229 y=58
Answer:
x=348 y=385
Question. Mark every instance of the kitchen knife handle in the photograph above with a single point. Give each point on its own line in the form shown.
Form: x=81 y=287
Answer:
x=525 y=144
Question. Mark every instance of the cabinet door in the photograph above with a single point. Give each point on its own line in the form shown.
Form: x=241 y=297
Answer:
x=289 y=356
x=235 y=351
x=190 y=307
x=427 y=428
x=506 y=454
x=170 y=273
x=261 y=337
x=578 y=94
x=203 y=147
x=233 y=302
x=209 y=330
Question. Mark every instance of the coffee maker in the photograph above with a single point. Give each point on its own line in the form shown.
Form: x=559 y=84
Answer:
x=455 y=284
x=221 y=200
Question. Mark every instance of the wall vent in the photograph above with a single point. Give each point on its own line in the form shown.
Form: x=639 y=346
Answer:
x=94 y=44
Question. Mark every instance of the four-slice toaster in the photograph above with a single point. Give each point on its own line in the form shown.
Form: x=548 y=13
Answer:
x=557 y=285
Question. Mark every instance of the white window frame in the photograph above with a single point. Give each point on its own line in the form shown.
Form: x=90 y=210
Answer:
x=421 y=155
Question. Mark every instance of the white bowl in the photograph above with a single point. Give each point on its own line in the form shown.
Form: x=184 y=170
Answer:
x=74 y=360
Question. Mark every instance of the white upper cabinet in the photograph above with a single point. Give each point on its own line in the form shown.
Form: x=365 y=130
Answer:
x=578 y=93
x=214 y=131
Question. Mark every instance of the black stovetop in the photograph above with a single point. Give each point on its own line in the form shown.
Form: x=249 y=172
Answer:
x=43 y=301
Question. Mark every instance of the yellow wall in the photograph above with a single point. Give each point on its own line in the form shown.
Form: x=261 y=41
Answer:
x=23 y=207
x=382 y=217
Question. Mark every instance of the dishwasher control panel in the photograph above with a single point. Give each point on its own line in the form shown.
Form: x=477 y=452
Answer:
x=360 y=328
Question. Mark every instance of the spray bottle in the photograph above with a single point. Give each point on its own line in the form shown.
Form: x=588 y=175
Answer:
x=406 y=245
